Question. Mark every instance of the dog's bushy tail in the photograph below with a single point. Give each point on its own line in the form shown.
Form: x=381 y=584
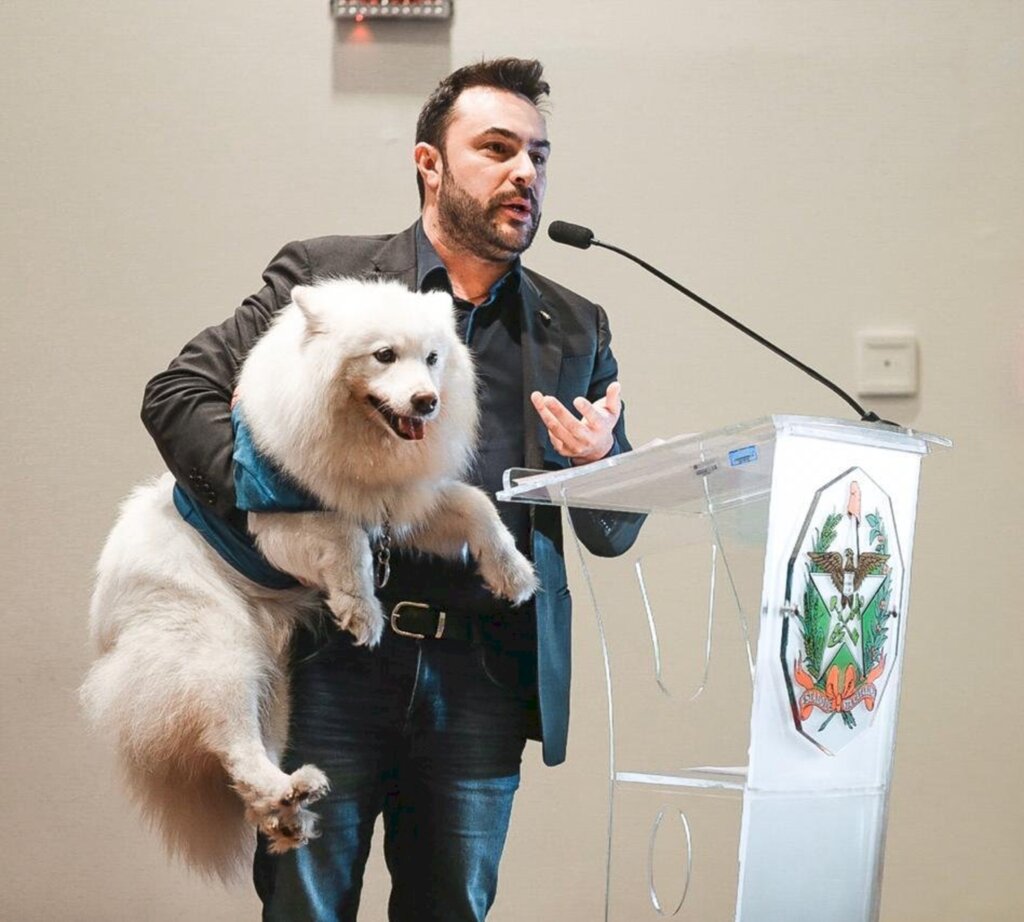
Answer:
x=182 y=793
x=199 y=817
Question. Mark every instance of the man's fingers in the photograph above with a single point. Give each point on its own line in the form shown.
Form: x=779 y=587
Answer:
x=569 y=436
x=574 y=437
x=589 y=412
x=606 y=410
x=613 y=399
x=560 y=422
x=559 y=413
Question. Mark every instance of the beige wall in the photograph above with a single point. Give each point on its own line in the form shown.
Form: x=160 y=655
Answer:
x=819 y=167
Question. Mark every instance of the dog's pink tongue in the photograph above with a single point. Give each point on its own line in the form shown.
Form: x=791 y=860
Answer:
x=411 y=427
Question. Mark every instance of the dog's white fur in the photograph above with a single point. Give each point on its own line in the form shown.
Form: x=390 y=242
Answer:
x=191 y=677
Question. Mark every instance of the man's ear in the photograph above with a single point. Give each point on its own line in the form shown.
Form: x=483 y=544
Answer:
x=301 y=298
x=429 y=164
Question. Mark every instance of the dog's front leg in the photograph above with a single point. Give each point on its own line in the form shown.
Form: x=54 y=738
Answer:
x=325 y=550
x=464 y=515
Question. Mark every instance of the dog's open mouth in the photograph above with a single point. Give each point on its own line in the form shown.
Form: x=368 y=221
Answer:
x=410 y=428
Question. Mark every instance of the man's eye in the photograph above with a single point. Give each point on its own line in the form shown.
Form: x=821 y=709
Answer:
x=496 y=147
x=432 y=358
x=385 y=356
x=539 y=159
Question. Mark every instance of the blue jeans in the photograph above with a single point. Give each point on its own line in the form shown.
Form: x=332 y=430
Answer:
x=421 y=732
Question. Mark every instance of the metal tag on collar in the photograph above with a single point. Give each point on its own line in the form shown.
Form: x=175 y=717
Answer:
x=382 y=569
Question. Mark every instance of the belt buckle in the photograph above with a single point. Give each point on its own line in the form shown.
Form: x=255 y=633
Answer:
x=396 y=613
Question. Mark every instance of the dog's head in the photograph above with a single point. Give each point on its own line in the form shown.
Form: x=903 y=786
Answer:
x=362 y=382
x=392 y=354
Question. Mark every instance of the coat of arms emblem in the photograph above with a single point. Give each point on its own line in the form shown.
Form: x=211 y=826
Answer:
x=841 y=634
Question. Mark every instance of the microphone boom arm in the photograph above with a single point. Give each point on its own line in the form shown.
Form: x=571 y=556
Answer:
x=865 y=415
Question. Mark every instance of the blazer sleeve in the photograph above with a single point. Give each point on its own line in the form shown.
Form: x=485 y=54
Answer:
x=607 y=534
x=187 y=408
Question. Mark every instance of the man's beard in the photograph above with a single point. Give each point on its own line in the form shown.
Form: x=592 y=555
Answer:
x=474 y=228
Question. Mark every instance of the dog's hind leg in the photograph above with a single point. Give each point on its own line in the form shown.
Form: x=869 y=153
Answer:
x=252 y=708
x=275 y=802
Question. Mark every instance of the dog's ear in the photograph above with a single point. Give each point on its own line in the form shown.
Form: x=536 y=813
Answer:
x=442 y=302
x=301 y=298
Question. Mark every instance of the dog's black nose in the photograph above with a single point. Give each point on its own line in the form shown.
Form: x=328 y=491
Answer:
x=424 y=403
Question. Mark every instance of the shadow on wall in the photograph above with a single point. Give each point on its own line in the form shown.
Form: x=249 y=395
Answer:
x=390 y=57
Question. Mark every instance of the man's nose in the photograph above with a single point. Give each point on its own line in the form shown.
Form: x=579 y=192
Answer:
x=524 y=170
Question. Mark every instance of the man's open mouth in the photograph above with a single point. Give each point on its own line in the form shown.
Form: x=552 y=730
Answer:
x=519 y=209
x=410 y=428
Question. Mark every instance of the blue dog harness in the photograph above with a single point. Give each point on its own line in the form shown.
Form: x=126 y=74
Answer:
x=260 y=486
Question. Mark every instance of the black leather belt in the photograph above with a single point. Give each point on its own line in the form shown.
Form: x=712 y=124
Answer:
x=420 y=621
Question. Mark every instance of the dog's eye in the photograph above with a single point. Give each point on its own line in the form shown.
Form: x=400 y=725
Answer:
x=432 y=358
x=385 y=356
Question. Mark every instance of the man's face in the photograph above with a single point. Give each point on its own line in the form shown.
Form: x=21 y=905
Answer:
x=494 y=174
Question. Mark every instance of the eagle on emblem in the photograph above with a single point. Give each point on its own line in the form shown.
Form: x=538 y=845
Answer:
x=847 y=575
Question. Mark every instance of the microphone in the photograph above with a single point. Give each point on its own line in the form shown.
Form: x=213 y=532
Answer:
x=571 y=234
x=583 y=237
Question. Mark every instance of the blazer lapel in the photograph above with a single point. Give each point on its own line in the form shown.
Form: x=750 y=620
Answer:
x=396 y=259
x=542 y=358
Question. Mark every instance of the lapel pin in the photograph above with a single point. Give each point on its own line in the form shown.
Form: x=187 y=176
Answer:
x=544 y=316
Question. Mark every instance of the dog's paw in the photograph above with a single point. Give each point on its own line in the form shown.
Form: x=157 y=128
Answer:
x=286 y=833
x=509 y=575
x=362 y=618
x=308 y=785
x=281 y=815
x=367 y=633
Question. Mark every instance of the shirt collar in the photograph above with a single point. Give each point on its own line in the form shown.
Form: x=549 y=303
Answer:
x=432 y=274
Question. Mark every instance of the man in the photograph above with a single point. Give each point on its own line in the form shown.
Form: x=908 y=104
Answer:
x=429 y=731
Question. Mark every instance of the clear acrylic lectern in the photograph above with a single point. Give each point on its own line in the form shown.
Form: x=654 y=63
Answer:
x=753 y=641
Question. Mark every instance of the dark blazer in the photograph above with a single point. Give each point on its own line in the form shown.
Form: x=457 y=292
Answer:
x=566 y=352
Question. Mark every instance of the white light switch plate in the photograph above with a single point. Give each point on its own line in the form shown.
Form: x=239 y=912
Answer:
x=886 y=364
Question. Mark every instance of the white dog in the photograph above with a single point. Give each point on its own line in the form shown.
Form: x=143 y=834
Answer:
x=364 y=395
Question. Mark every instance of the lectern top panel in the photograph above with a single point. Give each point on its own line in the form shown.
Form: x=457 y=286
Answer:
x=695 y=474
x=879 y=435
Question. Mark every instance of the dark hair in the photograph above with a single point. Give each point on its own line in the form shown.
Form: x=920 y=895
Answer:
x=516 y=75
